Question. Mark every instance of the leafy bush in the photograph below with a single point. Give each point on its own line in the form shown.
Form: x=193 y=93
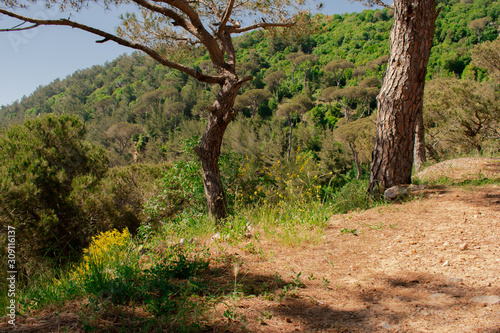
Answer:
x=297 y=181
x=110 y=271
x=107 y=250
x=119 y=199
x=44 y=161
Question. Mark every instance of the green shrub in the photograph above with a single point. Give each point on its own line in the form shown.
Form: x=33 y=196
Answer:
x=296 y=181
x=44 y=161
x=183 y=189
x=119 y=199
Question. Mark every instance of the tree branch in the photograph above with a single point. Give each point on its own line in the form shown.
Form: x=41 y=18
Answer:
x=107 y=36
x=263 y=25
x=202 y=33
x=380 y=3
x=225 y=16
x=178 y=19
x=19 y=29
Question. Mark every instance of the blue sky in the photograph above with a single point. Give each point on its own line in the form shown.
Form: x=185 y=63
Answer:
x=37 y=57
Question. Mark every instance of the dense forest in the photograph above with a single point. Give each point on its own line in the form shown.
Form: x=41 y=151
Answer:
x=112 y=146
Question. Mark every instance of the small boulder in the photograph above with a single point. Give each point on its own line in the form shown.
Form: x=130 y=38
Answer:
x=490 y=299
x=396 y=192
x=249 y=232
x=416 y=188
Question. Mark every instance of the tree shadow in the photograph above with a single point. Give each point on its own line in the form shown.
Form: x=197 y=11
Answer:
x=492 y=165
x=384 y=305
x=384 y=308
x=489 y=198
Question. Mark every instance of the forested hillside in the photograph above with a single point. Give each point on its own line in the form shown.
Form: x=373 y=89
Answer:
x=304 y=86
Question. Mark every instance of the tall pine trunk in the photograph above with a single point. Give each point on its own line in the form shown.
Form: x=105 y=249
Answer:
x=401 y=97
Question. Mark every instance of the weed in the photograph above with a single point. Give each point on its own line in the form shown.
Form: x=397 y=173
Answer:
x=377 y=226
x=264 y=315
x=345 y=231
x=296 y=281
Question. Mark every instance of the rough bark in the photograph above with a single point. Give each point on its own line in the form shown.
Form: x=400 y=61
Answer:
x=401 y=96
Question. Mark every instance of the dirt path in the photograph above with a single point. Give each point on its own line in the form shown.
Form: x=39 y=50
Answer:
x=412 y=267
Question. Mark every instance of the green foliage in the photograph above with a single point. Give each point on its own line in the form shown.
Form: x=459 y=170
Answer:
x=353 y=195
x=345 y=231
x=183 y=188
x=110 y=274
x=462 y=116
x=349 y=51
x=45 y=163
x=118 y=200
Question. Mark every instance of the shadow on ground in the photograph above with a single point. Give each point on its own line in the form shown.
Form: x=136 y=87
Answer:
x=387 y=306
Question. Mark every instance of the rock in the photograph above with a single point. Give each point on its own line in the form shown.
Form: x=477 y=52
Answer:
x=446 y=263
x=438 y=295
x=216 y=237
x=385 y=325
x=182 y=242
x=415 y=188
x=395 y=192
x=490 y=299
x=457 y=280
x=399 y=192
x=463 y=246
x=249 y=232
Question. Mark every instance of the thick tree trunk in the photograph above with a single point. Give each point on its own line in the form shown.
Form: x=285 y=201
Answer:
x=401 y=96
x=419 y=149
x=221 y=114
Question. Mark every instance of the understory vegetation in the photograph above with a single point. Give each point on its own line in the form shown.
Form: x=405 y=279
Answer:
x=100 y=179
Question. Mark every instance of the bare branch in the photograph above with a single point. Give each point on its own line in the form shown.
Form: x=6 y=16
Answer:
x=370 y=3
x=245 y=79
x=16 y=28
x=226 y=16
x=107 y=36
x=178 y=19
x=380 y=3
x=206 y=38
x=263 y=25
